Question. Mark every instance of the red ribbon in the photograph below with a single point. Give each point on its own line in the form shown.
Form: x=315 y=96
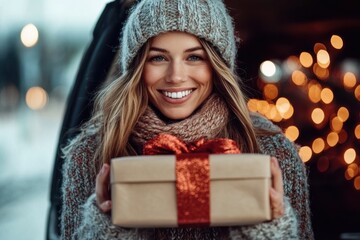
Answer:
x=192 y=173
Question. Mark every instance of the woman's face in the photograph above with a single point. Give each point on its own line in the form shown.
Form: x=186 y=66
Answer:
x=177 y=74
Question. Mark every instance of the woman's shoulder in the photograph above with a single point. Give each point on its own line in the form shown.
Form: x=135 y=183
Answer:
x=271 y=138
x=85 y=142
x=261 y=123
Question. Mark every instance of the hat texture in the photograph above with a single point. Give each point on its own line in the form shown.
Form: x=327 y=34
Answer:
x=206 y=19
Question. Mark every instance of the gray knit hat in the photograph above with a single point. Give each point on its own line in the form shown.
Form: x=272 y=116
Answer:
x=206 y=19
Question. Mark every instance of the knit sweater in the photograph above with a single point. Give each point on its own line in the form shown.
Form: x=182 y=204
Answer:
x=82 y=219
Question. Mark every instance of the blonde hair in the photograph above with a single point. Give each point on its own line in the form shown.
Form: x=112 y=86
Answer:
x=227 y=84
x=117 y=108
x=120 y=103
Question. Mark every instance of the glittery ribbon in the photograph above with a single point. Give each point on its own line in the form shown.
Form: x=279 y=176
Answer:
x=192 y=173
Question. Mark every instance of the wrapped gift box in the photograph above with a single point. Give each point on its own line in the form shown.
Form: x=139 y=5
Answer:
x=144 y=192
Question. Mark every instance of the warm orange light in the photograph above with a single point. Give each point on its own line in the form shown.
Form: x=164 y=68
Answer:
x=357 y=92
x=349 y=155
x=282 y=105
x=252 y=105
x=349 y=80
x=278 y=117
x=299 y=78
x=314 y=92
x=305 y=153
x=357 y=183
x=349 y=174
x=332 y=139
x=272 y=112
x=270 y=91
x=306 y=59
x=336 y=41
x=357 y=131
x=327 y=95
x=318 y=115
x=289 y=113
x=336 y=124
x=36 y=98
x=292 y=133
x=343 y=114
x=321 y=73
x=355 y=168
x=318 y=47
x=263 y=107
x=323 y=58
x=318 y=145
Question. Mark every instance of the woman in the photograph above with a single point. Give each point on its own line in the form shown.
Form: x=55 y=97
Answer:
x=177 y=76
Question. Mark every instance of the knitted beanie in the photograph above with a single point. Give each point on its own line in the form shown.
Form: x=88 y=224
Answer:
x=206 y=19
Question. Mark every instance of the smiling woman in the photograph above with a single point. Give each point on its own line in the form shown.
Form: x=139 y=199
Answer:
x=177 y=61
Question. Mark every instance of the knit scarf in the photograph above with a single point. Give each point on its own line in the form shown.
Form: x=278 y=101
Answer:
x=207 y=121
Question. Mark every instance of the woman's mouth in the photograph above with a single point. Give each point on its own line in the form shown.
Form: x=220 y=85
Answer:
x=177 y=95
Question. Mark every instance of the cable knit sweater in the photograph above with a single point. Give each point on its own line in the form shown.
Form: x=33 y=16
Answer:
x=81 y=218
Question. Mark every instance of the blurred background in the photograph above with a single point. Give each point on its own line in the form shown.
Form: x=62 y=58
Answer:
x=299 y=61
x=41 y=45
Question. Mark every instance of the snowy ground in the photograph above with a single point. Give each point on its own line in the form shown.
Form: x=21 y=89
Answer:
x=27 y=148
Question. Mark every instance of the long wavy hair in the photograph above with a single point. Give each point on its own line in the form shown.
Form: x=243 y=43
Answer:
x=121 y=102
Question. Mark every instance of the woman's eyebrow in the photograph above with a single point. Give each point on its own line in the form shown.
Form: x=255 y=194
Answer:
x=158 y=49
x=166 y=51
x=194 y=49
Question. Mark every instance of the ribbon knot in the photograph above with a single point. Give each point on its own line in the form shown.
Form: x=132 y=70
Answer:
x=192 y=173
x=164 y=144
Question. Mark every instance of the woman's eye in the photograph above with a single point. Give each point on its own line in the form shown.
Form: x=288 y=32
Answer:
x=157 y=59
x=195 y=58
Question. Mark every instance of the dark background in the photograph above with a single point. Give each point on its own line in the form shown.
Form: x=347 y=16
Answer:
x=278 y=29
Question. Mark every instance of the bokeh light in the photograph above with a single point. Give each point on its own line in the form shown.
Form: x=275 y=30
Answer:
x=305 y=153
x=318 y=145
x=36 y=98
x=349 y=80
x=299 y=78
x=327 y=95
x=323 y=58
x=349 y=155
x=314 y=92
x=306 y=59
x=336 y=41
x=292 y=133
x=343 y=114
x=357 y=131
x=317 y=115
x=29 y=35
x=332 y=139
x=270 y=91
x=357 y=183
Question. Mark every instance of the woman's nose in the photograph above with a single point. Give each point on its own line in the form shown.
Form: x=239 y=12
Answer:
x=176 y=72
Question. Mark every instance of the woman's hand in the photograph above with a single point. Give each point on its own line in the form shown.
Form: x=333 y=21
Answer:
x=276 y=190
x=102 y=189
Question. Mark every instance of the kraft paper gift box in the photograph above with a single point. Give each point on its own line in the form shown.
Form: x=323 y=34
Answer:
x=144 y=192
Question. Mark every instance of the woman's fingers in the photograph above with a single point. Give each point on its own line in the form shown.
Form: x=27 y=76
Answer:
x=277 y=190
x=102 y=189
x=277 y=181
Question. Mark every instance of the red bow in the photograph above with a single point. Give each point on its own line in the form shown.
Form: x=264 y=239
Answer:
x=169 y=144
x=192 y=173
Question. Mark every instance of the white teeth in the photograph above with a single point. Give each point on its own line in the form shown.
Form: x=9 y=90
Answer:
x=177 y=95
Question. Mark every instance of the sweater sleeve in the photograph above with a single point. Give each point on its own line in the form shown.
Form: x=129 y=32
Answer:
x=281 y=228
x=81 y=218
x=294 y=173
